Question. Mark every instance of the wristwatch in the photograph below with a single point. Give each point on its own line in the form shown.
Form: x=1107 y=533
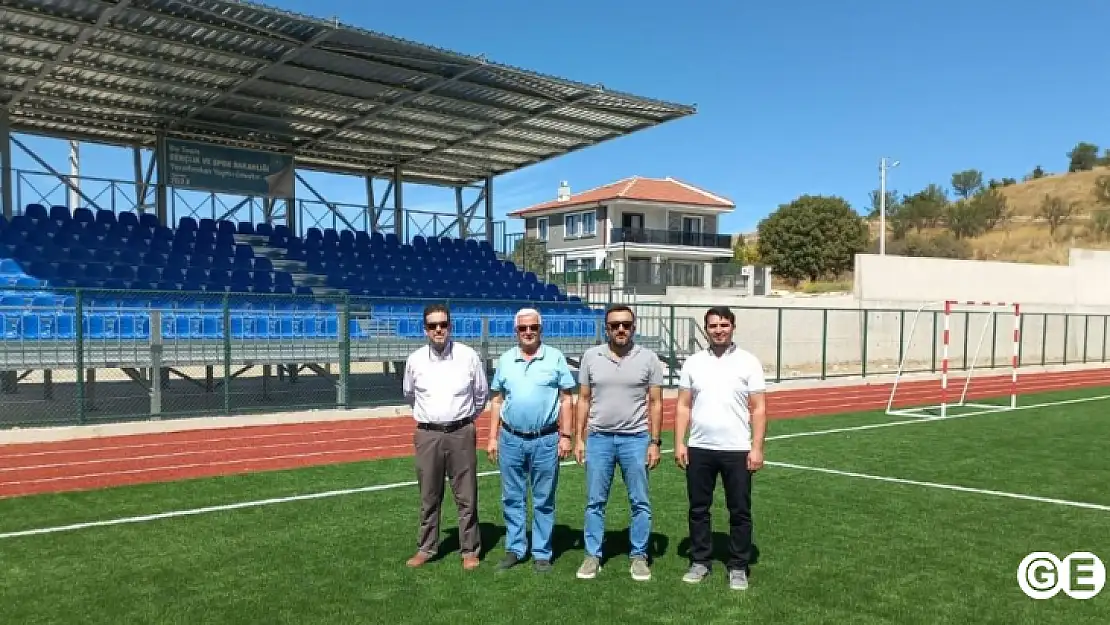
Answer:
x=656 y=441
x=566 y=436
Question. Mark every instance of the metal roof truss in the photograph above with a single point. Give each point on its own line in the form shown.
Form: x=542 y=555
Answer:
x=341 y=99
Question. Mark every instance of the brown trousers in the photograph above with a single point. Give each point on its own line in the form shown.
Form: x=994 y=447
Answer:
x=454 y=456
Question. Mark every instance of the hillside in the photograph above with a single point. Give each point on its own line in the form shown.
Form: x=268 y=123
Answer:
x=1025 y=235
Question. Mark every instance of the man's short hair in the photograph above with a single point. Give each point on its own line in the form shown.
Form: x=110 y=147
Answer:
x=619 y=308
x=434 y=308
x=527 y=312
x=720 y=311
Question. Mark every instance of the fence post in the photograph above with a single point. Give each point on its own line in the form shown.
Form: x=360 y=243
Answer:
x=1086 y=335
x=901 y=336
x=1044 y=337
x=1064 y=354
x=227 y=354
x=933 y=350
x=79 y=356
x=866 y=316
x=673 y=342
x=967 y=332
x=1021 y=338
x=778 y=347
x=343 y=389
x=824 y=342
x=994 y=336
x=156 y=350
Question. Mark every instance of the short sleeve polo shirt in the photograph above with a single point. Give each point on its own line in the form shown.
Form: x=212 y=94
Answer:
x=531 y=387
x=720 y=388
x=619 y=387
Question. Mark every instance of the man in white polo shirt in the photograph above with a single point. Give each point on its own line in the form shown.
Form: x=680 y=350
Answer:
x=721 y=403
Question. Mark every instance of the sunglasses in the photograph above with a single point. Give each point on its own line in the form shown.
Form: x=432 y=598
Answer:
x=442 y=325
x=626 y=325
x=535 y=327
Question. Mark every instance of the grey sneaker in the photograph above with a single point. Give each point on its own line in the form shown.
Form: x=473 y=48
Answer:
x=696 y=573
x=738 y=580
x=590 y=567
x=640 y=570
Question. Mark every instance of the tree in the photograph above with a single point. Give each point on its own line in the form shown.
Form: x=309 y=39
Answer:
x=1038 y=172
x=1056 y=212
x=943 y=245
x=530 y=254
x=964 y=219
x=967 y=182
x=745 y=252
x=1102 y=190
x=925 y=208
x=812 y=237
x=892 y=203
x=1083 y=157
x=993 y=208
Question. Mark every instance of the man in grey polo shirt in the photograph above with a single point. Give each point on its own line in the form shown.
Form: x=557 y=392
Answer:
x=618 y=420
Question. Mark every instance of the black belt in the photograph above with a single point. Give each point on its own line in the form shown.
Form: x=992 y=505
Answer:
x=446 y=428
x=550 y=429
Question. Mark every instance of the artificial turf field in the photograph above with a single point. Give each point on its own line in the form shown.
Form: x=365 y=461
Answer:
x=833 y=547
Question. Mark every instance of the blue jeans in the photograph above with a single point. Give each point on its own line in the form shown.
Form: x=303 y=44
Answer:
x=604 y=452
x=523 y=463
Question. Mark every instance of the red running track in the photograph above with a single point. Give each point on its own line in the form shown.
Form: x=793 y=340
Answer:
x=141 y=458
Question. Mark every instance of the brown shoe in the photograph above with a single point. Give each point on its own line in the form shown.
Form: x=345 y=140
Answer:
x=470 y=562
x=417 y=560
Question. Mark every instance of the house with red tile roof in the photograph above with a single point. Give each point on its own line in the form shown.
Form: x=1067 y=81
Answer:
x=638 y=223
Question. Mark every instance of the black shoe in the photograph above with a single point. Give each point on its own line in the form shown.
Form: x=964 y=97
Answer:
x=542 y=566
x=509 y=561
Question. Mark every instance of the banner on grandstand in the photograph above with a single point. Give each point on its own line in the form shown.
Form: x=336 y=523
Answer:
x=228 y=170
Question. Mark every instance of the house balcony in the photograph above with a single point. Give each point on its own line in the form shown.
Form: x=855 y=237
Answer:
x=647 y=236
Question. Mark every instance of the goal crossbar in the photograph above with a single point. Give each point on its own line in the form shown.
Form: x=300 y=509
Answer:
x=931 y=411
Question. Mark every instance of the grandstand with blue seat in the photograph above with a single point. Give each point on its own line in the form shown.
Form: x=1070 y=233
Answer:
x=127 y=265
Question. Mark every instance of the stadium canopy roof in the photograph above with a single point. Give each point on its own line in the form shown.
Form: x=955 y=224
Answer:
x=343 y=99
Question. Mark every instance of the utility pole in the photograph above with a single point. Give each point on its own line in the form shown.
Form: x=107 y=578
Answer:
x=883 y=166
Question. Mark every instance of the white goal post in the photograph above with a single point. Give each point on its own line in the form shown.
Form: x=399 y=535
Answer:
x=949 y=309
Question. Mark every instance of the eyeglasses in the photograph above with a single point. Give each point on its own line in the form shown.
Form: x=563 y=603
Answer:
x=442 y=325
x=626 y=325
x=535 y=327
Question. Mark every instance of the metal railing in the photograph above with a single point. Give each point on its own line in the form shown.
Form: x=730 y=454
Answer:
x=94 y=357
x=651 y=236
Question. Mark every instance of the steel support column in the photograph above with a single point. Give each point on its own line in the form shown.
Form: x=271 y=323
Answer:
x=399 y=225
x=161 y=205
x=6 y=191
x=489 y=209
x=460 y=214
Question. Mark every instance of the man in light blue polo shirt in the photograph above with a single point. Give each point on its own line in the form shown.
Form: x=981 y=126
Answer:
x=531 y=425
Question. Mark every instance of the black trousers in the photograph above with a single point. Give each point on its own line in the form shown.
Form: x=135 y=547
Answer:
x=701 y=480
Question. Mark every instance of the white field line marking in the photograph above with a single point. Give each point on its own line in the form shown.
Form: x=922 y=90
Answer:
x=395 y=485
x=962 y=489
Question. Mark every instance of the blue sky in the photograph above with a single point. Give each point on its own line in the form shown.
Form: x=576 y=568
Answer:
x=794 y=97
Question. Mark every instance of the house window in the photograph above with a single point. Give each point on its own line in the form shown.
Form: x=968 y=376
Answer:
x=580 y=225
x=541 y=228
x=571 y=225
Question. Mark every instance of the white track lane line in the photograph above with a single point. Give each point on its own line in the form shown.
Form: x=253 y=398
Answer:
x=395 y=485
